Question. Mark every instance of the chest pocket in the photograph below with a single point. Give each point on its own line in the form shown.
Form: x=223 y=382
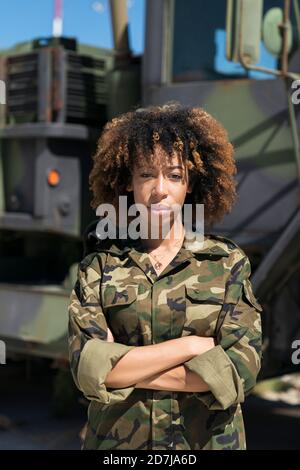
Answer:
x=115 y=297
x=120 y=310
x=202 y=310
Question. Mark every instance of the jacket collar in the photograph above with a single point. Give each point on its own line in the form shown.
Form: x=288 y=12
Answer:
x=210 y=246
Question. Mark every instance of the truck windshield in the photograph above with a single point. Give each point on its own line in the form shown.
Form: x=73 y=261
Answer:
x=199 y=43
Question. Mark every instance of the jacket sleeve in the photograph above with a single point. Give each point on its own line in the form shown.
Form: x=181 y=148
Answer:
x=91 y=356
x=230 y=368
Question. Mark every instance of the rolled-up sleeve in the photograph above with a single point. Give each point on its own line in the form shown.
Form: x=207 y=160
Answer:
x=230 y=368
x=91 y=356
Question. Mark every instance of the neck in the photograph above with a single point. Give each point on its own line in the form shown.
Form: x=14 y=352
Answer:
x=173 y=238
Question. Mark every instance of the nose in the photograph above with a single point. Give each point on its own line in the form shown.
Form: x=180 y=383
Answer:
x=160 y=186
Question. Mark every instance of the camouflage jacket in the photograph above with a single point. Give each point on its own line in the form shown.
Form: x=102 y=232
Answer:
x=204 y=291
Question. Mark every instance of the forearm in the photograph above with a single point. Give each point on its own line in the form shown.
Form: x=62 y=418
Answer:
x=145 y=361
x=176 y=379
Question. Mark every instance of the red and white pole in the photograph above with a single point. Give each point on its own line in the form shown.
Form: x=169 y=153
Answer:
x=57 y=27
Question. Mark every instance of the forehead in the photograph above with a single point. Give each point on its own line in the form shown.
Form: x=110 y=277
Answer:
x=161 y=159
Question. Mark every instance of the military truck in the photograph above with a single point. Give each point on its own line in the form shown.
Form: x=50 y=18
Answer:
x=58 y=97
x=237 y=59
x=240 y=60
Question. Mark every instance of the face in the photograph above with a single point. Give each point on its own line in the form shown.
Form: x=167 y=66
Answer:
x=165 y=183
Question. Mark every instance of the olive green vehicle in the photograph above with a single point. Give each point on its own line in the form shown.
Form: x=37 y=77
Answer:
x=57 y=98
x=240 y=60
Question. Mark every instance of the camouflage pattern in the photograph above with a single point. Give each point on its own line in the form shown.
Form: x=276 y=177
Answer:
x=204 y=291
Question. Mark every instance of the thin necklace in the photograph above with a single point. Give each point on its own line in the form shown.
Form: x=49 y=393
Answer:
x=158 y=264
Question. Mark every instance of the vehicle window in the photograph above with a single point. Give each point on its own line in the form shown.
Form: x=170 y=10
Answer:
x=199 y=42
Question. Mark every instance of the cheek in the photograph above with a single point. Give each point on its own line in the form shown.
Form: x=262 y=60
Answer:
x=140 y=193
x=180 y=194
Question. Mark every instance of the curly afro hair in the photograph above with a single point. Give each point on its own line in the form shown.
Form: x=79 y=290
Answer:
x=201 y=141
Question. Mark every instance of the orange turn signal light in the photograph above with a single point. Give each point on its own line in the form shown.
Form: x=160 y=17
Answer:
x=53 y=177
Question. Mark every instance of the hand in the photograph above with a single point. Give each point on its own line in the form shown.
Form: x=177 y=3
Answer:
x=110 y=338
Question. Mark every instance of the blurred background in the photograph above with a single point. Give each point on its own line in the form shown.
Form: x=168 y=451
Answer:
x=65 y=69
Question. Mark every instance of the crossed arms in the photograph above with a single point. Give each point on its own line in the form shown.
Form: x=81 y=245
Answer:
x=162 y=367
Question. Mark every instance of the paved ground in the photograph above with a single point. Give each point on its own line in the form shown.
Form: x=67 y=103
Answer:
x=29 y=417
x=28 y=421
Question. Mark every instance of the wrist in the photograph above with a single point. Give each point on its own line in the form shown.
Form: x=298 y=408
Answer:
x=201 y=344
x=190 y=345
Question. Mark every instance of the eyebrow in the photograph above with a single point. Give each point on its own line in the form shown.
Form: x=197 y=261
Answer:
x=168 y=167
x=177 y=166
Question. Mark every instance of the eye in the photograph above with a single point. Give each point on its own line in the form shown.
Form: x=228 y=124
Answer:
x=176 y=177
x=145 y=175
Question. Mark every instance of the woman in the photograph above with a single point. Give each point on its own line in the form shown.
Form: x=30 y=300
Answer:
x=164 y=332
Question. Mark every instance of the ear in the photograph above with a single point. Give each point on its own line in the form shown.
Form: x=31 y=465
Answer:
x=190 y=186
x=129 y=187
x=190 y=182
